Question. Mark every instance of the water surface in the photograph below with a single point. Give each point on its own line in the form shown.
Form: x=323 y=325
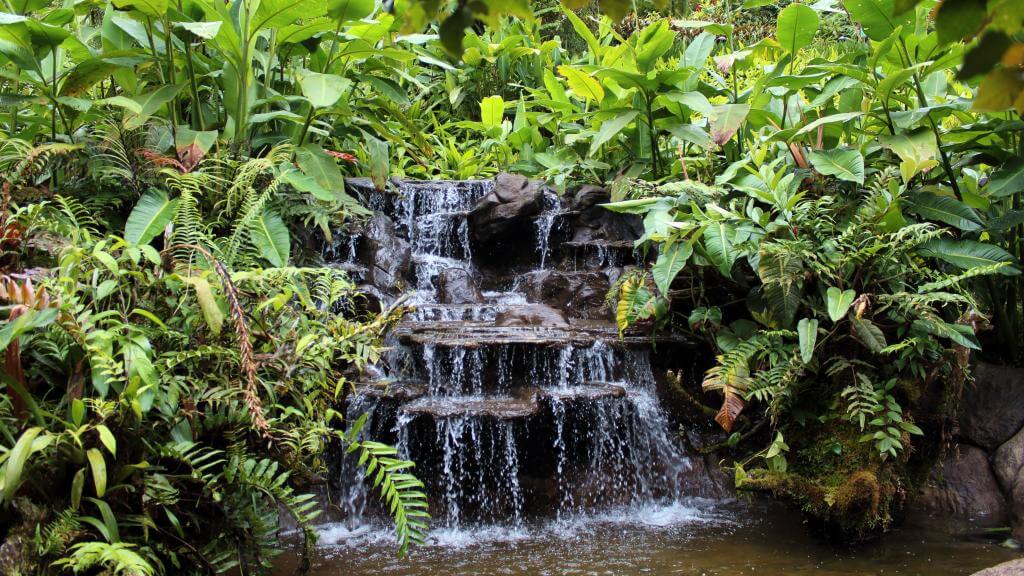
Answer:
x=696 y=538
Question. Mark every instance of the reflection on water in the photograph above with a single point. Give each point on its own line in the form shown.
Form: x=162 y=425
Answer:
x=698 y=538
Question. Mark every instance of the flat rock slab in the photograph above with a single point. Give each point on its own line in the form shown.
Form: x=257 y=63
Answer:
x=392 y=389
x=501 y=408
x=608 y=244
x=479 y=334
x=1011 y=568
x=589 y=392
x=531 y=315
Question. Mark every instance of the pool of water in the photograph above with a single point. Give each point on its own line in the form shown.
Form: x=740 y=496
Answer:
x=695 y=538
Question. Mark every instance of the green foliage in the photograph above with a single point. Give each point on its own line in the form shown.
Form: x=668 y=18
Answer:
x=847 y=183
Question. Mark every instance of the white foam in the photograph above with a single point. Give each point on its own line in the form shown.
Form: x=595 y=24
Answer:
x=651 y=517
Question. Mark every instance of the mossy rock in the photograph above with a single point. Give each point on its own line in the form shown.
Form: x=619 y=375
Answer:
x=846 y=490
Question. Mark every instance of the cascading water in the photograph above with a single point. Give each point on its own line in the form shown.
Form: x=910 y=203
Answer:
x=509 y=421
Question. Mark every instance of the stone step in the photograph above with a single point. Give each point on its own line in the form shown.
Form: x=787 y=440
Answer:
x=607 y=244
x=476 y=334
x=502 y=408
x=402 y=390
x=591 y=391
x=526 y=403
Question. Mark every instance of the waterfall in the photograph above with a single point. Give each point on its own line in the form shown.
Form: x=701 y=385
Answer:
x=510 y=422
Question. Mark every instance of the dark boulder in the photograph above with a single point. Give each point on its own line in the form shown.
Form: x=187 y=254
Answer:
x=592 y=222
x=385 y=255
x=1009 y=467
x=963 y=485
x=992 y=410
x=504 y=213
x=588 y=196
x=457 y=286
x=535 y=315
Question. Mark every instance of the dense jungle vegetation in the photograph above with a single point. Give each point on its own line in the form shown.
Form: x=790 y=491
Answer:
x=831 y=194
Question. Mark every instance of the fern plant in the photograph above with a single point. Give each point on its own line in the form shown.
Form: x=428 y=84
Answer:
x=830 y=315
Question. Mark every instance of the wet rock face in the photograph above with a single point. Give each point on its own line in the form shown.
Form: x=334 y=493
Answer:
x=508 y=382
x=1009 y=468
x=581 y=292
x=992 y=410
x=539 y=315
x=457 y=286
x=592 y=222
x=386 y=255
x=963 y=485
x=503 y=215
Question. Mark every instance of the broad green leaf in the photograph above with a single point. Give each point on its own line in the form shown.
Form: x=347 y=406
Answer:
x=146 y=105
x=839 y=301
x=492 y=110
x=796 y=27
x=29 y=320
x=77 y=486
x=323 y=90
x=842 y=117
x=691 y=133
x=14 y=467
x=388 y=87
x=314 y=162
x=379 y=153
x=278 y=13
x=192 y=145
x=306 y=183
x=152 y=8
x=968 y=254
x=843 y=163
x=204 y=294
x=593 y=44
x=204 y=30
x=637 y=206
x=946 y=209
x=349 y=10
x=807 y=329
x=698 y=51
x=671 y=260
x=958 y=333
x=727 y=120
x=270 y=236
x=916 y=150
x=150 y=217
x=1008 y=180
x=877 y=17
x=26 y=6
x=99 y=470
x=869 y=334
x=718 y=242
x=583 y=85
x=694 y=101
x=107 y=439
x=885 y=88
x=653 y=42
x=610 y=127
x=85 y=75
